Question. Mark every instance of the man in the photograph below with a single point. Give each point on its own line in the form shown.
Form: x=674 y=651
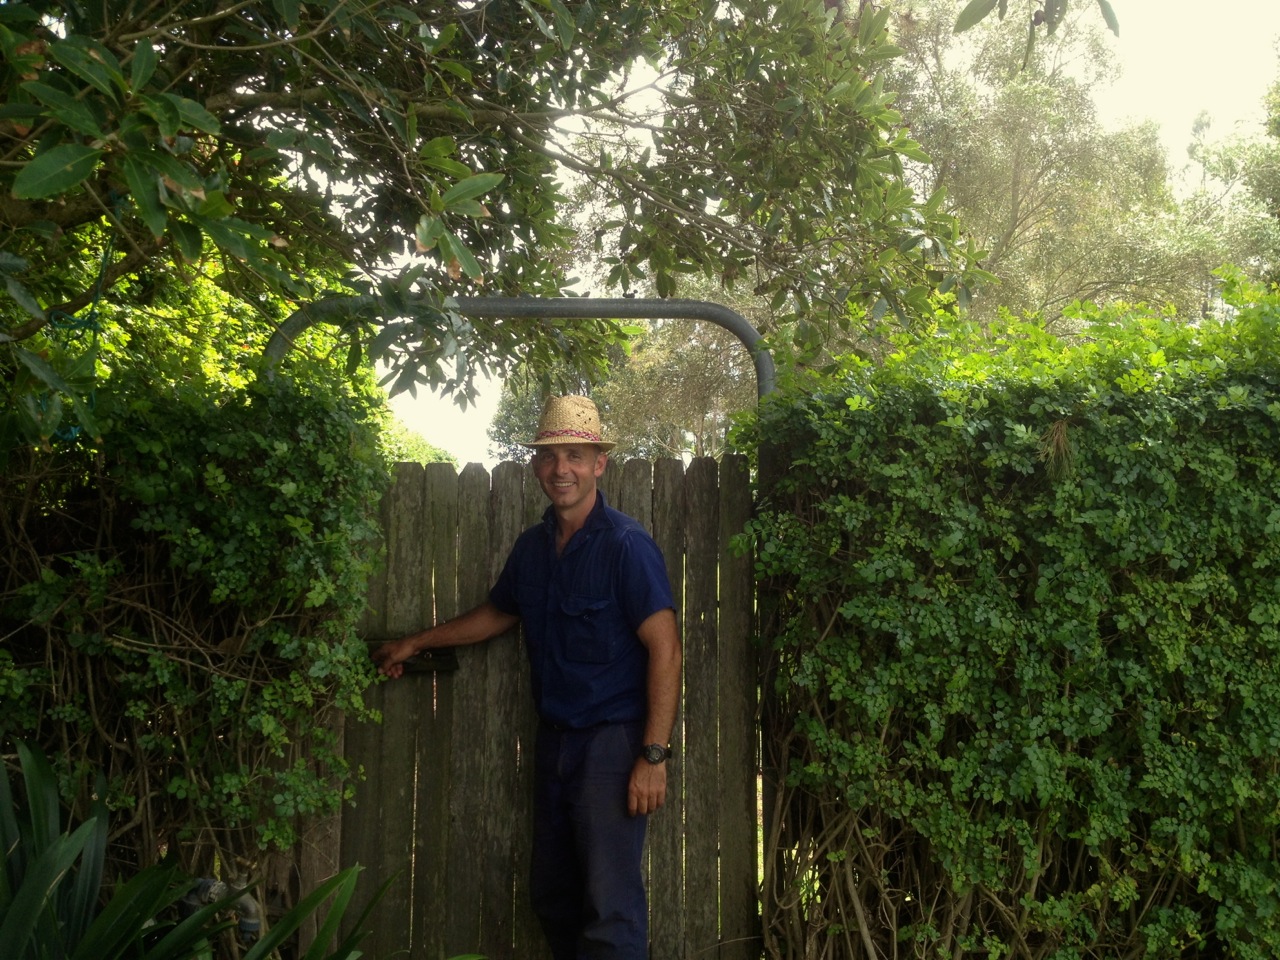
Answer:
x=590 y=587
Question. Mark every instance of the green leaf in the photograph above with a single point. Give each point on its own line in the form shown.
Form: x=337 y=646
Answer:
x=55 y=171
x=165 y=113
x=189 y=239
x=195 y=116
x=342 y=884
x=288 y=11
x=437 y=147
x=179 y=174
x=538 y=21
x=38 y=884
x=470 y=188
x=65 y=108
x=1109 y=15
x=135 y=905
x=973 y=14
x=93 y=63
x=143 y=65
x=146 y=195
x=453 y=248
x=448 y=165
x=428 y=232
x=24 y=298
x=565 y=26
x=225 y=238
x=42 y=371
x=216 y=204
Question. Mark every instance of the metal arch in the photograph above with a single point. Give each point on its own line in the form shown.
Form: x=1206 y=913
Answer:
x=549 y=308
x=629 y=308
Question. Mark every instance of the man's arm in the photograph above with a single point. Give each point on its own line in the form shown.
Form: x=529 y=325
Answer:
x=478 y=623
x=648 y=788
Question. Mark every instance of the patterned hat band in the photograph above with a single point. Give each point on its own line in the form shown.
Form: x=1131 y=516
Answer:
x=576 y=434
x=569 y=419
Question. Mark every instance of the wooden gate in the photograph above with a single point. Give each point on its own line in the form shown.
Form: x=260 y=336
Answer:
x=445 y=808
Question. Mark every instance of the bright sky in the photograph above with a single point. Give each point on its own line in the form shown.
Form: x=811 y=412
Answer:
x=1178 y=57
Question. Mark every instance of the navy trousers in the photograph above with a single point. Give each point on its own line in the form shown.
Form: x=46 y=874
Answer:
x=587 y=887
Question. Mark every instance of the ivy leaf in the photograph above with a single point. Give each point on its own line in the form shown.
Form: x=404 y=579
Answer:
x=55 y=171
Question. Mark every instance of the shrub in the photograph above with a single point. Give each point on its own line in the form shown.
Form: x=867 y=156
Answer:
x=1028 y=599
x=179 y=610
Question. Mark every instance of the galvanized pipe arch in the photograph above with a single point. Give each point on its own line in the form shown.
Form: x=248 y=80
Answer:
x=549 y=308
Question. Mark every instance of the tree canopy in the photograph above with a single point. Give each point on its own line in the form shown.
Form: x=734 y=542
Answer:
x=291 y=153
x=1066 y=209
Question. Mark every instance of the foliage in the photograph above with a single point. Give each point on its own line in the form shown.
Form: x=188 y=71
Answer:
x=179 y=606
x=1066 y=209
x=677 y=392
x=1239 y=193
x=403 y=445
x=269 y=149
x=51 y=902
x=671 y=393
x=1049 y=14
x=1026 y=621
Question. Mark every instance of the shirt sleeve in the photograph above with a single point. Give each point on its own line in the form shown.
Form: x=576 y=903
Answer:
x=503 y=593
x=643 y=585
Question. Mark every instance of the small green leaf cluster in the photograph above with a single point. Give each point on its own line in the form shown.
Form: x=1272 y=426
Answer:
x=1027 y=605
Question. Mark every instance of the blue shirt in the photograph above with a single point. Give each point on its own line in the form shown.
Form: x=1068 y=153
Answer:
x=580 y=612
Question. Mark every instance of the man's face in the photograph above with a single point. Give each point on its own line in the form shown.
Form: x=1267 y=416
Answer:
x=567 y=472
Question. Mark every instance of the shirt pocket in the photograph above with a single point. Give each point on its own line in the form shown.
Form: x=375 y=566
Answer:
x=590 y=634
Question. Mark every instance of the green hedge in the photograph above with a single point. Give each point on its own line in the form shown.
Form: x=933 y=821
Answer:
x=180 y=609
x=1027 y=688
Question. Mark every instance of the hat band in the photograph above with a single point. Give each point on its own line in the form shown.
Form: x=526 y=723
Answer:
x=580 y=434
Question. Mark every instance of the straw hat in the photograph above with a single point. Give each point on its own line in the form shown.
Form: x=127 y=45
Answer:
x=569 y=420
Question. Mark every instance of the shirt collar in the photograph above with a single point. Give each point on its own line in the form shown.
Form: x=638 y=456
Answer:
x=598 y=517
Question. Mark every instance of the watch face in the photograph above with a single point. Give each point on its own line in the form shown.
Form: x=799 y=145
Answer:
x=655 y=753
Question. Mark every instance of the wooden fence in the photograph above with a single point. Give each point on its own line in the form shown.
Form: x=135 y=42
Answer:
x=445 y=808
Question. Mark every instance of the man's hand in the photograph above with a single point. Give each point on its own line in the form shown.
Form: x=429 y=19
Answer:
x=647 y=790
x=390 y=657
x=478 y=623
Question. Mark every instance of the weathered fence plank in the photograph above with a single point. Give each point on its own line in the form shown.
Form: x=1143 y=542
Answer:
x=666 y=829
x=701 y=702
x=388 y=753
x=739 y=761
x=529 y=942
x=435 y=740
x=497 y=723
x=468 y=861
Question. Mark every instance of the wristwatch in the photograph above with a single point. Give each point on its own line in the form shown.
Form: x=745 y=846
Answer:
x=655 y=752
